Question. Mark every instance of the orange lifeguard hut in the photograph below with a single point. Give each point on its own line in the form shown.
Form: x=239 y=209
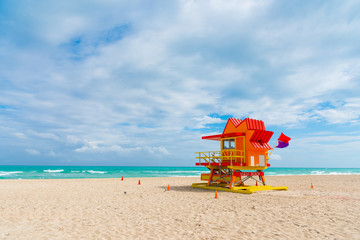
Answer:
x=243 y=156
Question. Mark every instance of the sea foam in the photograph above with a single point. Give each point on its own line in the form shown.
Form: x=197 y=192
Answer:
x=54 y=171
x=92 y=171
x=317 y=172
x=8 y=173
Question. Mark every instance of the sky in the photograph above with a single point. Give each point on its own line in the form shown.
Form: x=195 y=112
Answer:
x=138 y=83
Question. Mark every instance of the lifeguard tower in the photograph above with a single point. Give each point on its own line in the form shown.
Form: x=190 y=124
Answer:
x=243 y=156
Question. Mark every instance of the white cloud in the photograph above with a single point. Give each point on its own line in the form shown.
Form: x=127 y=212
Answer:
x=52 y=154
x=97 y=147
x=44 y=135
x=348 y=112
x=157 y=150
x=203 y=121
x=275 y=157
x=33 y=151
x=20 y=135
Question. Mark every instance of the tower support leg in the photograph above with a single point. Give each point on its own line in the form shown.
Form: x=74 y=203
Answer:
x=232 y=178
x=263 y=180
x=211 y=177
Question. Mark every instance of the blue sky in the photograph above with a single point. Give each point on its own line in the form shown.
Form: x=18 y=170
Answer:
x=139 y=82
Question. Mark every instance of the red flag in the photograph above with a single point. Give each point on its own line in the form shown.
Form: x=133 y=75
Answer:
x=284 y=138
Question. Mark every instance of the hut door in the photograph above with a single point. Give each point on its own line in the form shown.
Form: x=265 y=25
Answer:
x=252 y=163
x=262 y=160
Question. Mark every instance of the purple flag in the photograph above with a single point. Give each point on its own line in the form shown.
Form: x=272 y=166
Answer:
x=282 y=144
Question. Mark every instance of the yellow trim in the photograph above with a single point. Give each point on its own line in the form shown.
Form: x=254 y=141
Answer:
x=244 y=150
x=247 y=189
x=211 y=156
x=205 y=177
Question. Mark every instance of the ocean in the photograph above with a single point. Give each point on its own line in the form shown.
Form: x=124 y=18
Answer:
x=72 y=172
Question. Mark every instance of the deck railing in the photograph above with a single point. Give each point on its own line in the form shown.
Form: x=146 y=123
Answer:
x=228 y=155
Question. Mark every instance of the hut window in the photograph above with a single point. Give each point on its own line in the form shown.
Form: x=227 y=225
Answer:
x=229 y=144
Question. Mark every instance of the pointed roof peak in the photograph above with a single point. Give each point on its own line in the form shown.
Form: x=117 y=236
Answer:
x=236 y=122
x=252 y=124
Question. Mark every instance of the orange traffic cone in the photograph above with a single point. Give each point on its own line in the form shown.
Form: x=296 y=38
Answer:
x=168 y=187
x=122 y=178
x=216 y=195
x=256 y=183
x=243 y=184
x=312 y=186
x=139 y=182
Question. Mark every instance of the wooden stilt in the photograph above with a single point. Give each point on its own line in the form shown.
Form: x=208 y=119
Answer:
x=263 y=180
x=232 y=178
x=211 y=177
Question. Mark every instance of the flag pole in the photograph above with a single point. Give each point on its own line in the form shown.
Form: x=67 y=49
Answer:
x=273 y=148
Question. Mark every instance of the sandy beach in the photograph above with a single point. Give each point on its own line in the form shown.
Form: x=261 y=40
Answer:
x=100 y=209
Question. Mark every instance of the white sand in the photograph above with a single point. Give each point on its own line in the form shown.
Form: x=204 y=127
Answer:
x=99 y=209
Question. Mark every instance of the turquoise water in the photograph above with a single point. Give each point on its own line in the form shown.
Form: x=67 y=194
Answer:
x=69 y=172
